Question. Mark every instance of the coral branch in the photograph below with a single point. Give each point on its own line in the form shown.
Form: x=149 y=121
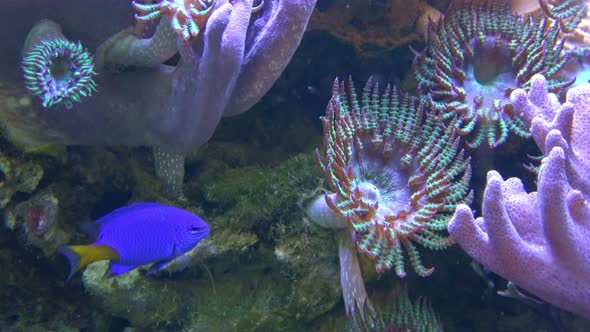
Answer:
x=539 y=240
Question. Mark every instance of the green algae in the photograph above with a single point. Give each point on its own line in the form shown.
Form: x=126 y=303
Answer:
x=261 y=269
x=17 y=176
x=254 y=298
x=255 y=196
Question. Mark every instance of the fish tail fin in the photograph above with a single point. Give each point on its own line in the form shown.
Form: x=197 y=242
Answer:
x=82 y=255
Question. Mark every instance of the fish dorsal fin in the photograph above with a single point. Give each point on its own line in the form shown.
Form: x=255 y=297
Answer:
x=126 y=209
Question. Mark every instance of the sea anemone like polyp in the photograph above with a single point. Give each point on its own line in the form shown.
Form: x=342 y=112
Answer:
x=476 y=56
x=396 y=177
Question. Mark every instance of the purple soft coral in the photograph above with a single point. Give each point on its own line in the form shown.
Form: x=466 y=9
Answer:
x=242 y=49
x=540 y=240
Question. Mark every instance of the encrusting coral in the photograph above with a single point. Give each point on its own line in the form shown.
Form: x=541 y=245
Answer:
x=372 y=27
x=396 y=179
x=539 y=240
x=476 y=56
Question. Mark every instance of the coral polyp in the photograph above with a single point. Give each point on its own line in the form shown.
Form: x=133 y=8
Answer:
x=396 y=178
x=41 y=214
x=476 y=56
x=59 y=71
x=400 y=314
x=567 y=13
x=188 y=17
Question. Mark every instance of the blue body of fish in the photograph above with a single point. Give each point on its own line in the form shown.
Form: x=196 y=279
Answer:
x=139 y=234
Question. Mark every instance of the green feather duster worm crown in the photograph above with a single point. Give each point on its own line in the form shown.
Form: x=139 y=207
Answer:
x=397 y=177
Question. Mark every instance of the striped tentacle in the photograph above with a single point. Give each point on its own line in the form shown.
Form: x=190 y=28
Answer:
x=397 y=173
x=452 y=80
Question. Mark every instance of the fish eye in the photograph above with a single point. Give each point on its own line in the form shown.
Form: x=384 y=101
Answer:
x=194 y=229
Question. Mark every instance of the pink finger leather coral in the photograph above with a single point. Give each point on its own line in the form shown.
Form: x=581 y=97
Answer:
x=540 y=240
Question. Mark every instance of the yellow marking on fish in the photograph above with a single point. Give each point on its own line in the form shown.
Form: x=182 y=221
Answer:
x=91 y=253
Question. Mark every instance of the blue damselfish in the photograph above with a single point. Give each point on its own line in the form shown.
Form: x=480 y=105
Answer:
x=138 y=234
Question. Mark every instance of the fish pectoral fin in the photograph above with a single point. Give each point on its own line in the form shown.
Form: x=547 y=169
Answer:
x=82 y=255
x=157 y=266
x=116 y=269
x=179 y=261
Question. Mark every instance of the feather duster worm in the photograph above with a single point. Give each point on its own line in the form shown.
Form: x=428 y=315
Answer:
x=397 y=179
x=476 y=56
x=187 y=17
x=56 y=70
x=398 y=313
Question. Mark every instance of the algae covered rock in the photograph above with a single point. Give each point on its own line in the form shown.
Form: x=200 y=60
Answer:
x=240 y=300
x=17 y=176
x=261 y=269
x=37 y=215
x=312 y=261
x=142 y=301
x=251 y=195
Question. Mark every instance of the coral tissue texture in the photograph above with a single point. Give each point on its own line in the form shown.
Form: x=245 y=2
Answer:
x=539 y=240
